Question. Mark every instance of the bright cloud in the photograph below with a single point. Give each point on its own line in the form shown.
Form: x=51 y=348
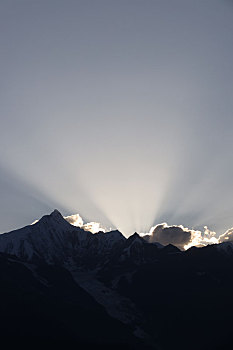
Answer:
x=75 y=220
x=227 y=236
x=178 y=235
x=93 y=227
x=185 y=238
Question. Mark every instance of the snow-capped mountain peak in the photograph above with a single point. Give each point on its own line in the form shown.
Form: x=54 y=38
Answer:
x=54 y=240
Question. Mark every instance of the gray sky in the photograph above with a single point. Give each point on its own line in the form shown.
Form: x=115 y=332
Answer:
x=121 y=111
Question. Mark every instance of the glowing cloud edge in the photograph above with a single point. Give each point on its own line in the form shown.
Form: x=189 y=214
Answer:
x=178 y=235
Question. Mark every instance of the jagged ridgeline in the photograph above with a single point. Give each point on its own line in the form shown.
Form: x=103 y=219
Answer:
x=61 y=285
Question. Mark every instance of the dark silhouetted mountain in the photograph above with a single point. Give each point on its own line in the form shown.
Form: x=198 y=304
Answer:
x=147 y=238
x=42 y=307
x=61 y=285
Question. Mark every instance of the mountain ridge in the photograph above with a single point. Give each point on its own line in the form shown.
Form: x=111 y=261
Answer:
x=149 y=289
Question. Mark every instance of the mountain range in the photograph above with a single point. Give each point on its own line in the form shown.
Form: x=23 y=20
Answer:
x=62 y=285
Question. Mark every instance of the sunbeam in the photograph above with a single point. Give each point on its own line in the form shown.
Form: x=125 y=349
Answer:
x=121 y=112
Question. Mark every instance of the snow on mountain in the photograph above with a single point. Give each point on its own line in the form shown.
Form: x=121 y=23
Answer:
x=54 y=240
x=108 y=266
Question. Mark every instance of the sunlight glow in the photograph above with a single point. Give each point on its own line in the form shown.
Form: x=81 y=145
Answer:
x=183 y=237
x=178 y=235
x=114 y=123
x=93 y=227
x=74 y=220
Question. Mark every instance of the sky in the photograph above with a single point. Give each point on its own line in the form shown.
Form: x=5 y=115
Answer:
x=120 y=111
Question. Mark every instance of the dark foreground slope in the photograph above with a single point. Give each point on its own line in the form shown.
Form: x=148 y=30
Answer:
x=62 y=286
x=186 y=297
x=42 y=307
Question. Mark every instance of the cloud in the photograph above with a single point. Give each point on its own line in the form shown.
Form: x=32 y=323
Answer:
x=182 y=237
x=179 y=236
x=209 y=237
x=93 y=227
x=227 y=236
x=75 y=220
